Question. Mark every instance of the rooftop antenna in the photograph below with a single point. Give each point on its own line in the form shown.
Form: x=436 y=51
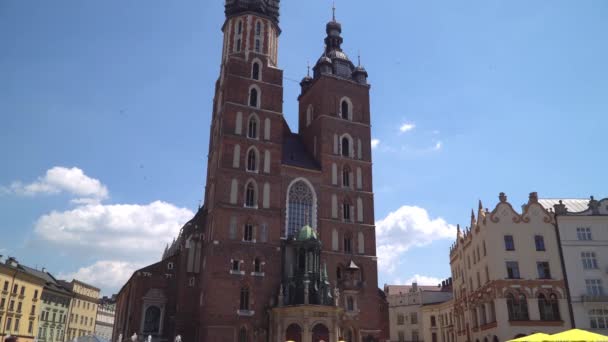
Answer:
x=308 y=67
x=334 y=10
x=359 y=57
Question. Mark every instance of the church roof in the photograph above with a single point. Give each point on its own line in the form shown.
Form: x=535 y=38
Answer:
x=307 y=233
x=296 y=154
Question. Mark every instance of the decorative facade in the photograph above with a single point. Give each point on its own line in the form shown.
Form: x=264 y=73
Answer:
x=438 y=321
x=507 y=271
x=104 y=324
x=83 y=308
x=583 y=232
x=284 y=246
x=405 y=307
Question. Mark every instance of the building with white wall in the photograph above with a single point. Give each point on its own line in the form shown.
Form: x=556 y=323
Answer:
x=507 y=274
x=405 y=304
x=583 y=232
x=104 y=324
x=438 y=321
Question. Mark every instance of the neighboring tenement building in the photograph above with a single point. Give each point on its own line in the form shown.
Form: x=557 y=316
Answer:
x=284 y=246
x=405 y=305
x=83 y=310
x=508 y=278
x=53 y=309
x=104 y=324
x=583 y=231
x=438 y=322
x=20 y=293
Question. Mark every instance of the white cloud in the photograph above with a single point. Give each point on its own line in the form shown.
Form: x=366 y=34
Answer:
x=438 y=146
x=108 y=275
x=406 y=127
x=407 y=227
x=121 y=228
x=62 y=180
x=375 y=143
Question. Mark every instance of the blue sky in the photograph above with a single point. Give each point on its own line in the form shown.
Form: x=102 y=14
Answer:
x=115 y=97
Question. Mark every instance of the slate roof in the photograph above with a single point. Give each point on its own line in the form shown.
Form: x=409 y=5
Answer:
x=574 y=205
x=296 y=154
x=51 y=282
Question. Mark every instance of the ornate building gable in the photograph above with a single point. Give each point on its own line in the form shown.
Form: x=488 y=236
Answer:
x=594 y=207
x=535 y=212
x=504 y=211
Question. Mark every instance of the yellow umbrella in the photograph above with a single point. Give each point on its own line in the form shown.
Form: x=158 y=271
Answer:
x=577 y=335
x=538 y=337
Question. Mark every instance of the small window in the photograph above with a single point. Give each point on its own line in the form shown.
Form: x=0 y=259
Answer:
x=253 y=97
x=433 y=321
x=345 y=147
x=509 y=243
x=589 y=260
x=244 y=303
x=191 y=281
x=347 y=245
x=255 y=72
x=345 y=110
x=243 y=335
x=400 y=319
x=594 y=287
x=236 y=265
x=238 y=45
x=339 y=273
x=539 y=241
x=257 y=266
x=257 y=45
x=248 y=232
x=252 y=127
x=543 y=270
x=258 y=29
x=414 y=318
x=252 y=164
x=239 y=28
x=250 y=195
x=346 y=211
x=346 y=177
x=350 y=303
x=170 y=266
x=584 y=234
x=512 y=270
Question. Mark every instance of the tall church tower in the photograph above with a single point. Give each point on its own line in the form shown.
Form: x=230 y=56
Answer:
x=289 y=238
x=241 y=257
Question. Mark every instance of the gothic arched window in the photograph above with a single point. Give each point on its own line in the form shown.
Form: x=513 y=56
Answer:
x=254 y=97
x=255 y=72
x=345 y=110
x=250 y=195
x=300 y=207
x=258 y=29
x=346 y=176
x=345 y=147
x=252 y=160
x=252 y=127
x=152 y=320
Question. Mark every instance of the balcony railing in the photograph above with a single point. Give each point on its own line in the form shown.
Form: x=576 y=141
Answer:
x=594 y=299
